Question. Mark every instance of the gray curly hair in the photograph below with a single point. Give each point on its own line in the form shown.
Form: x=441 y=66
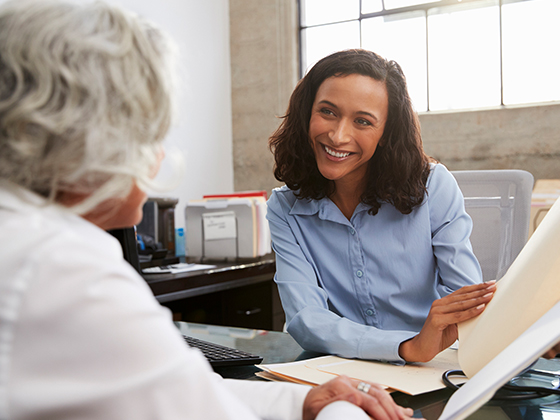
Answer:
x=85 y=98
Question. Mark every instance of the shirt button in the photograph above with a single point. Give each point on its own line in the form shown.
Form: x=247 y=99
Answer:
x=359 y=273
x=369 y=312
x=352 y=232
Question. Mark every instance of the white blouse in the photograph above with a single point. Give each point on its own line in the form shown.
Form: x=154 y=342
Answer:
x=82 y=337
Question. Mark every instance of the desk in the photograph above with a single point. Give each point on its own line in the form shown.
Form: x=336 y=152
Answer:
x=278 y=347
x=241 y=294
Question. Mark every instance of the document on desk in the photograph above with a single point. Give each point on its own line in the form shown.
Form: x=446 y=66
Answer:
x=412 y=378
x=527 y=291
x=177 y=268
x=297 y=372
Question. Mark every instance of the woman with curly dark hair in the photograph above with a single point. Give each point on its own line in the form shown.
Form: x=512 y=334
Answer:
x=371 y=235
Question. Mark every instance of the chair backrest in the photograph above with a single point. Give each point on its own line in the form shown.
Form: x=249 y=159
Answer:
x=499 y=203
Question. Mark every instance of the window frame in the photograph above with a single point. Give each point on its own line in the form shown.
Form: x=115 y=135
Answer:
x=425 y=7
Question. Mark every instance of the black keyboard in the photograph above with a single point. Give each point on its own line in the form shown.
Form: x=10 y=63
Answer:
x=218 y=355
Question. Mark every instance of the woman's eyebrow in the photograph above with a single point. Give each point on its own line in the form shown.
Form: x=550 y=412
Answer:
x=368 y=114
x=325 y=102
x=329 y=103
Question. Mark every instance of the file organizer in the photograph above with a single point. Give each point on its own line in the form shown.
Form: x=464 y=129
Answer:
x=227 y=227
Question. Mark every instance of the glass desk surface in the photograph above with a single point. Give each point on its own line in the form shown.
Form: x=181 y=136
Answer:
x=278 y=347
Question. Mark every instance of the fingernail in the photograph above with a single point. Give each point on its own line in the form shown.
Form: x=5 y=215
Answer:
x=481 y=306
x=488 y=294
x=490 y=282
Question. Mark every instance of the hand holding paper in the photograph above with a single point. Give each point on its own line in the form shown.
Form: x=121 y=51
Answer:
x=440 y=329
x=527 y=291
x=510 y=362
x=519 y=325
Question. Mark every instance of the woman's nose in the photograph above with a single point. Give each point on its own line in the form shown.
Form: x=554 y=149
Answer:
x=341 y=134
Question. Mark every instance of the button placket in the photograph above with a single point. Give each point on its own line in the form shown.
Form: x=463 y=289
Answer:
x=360 y=277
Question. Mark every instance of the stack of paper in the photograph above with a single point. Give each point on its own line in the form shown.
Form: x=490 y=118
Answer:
x=228 y=226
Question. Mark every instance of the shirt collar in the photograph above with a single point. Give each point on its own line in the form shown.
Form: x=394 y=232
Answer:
x=325 y=209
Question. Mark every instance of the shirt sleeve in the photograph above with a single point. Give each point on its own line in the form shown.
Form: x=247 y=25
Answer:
x=451 y=230
x=271 y=401
x=91 y=342
x=309 y=319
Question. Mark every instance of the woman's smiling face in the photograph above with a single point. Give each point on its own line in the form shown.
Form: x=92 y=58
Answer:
x=347 y=121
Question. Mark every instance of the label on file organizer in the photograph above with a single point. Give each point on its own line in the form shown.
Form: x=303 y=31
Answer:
x=219 y=225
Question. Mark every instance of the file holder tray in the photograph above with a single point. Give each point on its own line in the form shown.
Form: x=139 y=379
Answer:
x=220 y=229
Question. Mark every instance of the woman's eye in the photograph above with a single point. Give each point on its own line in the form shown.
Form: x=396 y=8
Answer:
x=326 y=111
x=361 y=121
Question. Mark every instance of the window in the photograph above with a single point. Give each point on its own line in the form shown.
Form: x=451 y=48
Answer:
x=456 y=54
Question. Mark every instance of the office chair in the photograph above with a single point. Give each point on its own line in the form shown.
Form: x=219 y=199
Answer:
x=499 y=203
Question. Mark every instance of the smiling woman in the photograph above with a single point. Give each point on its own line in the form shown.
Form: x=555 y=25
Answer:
x=371 y=235
x=397 y=172
x=347 y=121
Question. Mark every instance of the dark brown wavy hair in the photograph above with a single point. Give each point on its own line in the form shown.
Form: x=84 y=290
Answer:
x=398 y=170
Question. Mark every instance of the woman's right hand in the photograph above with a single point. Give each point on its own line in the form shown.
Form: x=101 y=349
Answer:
x=440 y=329
x=553 y=352
x=377 y=402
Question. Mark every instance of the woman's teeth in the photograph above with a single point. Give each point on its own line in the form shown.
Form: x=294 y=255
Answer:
x=336 y=154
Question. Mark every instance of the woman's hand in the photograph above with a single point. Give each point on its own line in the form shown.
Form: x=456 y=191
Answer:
x=377 y=402
x=551 y=354
x=440 y=329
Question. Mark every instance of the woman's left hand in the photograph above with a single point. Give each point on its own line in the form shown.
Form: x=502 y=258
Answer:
x=440 y=329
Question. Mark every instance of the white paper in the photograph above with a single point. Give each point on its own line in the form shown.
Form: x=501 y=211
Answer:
x=177 y=268
x=219 y=225
x=528 y=290
x=539 y=338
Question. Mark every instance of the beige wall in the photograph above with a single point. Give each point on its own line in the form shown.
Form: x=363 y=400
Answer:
x=264 y=72
x=508 y=138
x=263 y=44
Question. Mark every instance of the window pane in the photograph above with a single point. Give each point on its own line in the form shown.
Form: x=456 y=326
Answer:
x=321 y=41
x=393 y=4
x=464 y=56
x=402 y=38
x=531 y=64
x=371 y=6
x=316 y=12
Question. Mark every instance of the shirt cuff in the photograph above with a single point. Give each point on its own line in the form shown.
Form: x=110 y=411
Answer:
x=384 y=346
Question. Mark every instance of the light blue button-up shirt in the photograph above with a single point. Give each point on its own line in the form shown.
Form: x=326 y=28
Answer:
x=360 y=287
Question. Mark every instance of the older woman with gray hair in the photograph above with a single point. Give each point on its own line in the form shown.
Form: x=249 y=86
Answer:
x=85 y=102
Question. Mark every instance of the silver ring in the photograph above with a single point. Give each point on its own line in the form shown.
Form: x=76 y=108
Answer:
x=364 y=387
